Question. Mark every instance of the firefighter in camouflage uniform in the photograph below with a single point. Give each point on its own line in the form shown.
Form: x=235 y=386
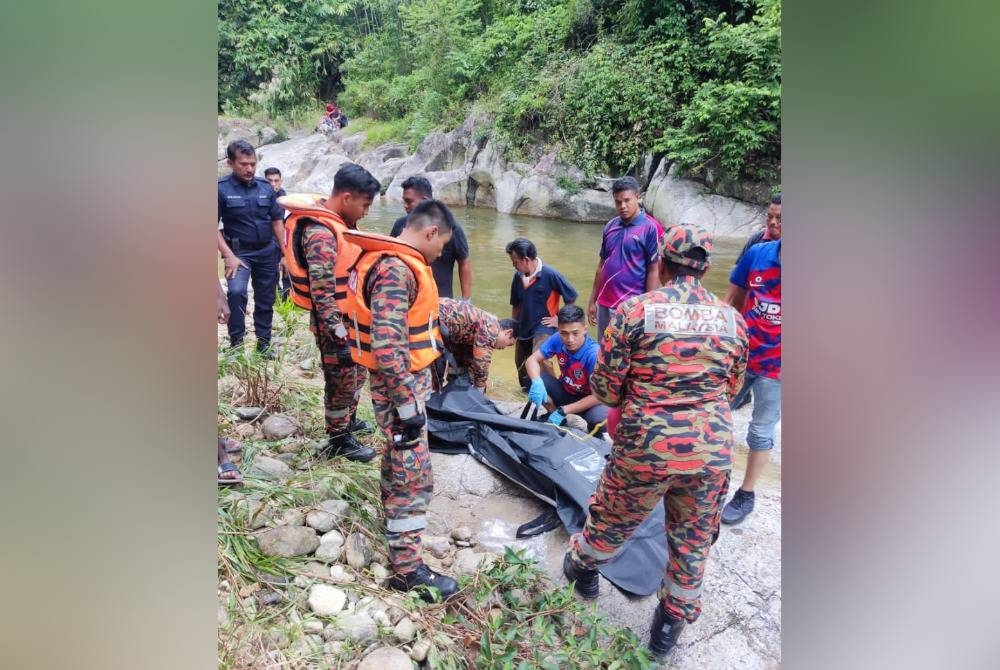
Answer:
x=391 y=314
x=670 y=361
x=470 y=335
x=314 y=231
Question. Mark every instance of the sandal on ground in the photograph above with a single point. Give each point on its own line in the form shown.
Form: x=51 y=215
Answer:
x=229 y=468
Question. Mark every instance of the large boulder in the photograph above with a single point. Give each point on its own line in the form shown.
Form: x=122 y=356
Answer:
x=683 y=201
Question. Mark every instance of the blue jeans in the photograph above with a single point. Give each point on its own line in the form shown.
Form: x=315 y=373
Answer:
x=766 y=410
x=560 y=397
x=263 y=275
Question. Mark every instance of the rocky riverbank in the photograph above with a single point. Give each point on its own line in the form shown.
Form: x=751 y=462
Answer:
x=466 y=168
x=302 y=563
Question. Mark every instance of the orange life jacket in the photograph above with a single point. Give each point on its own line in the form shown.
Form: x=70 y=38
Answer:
x=424 y=339
x=306 y=208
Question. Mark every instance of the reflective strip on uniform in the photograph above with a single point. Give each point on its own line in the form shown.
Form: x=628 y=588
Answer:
x=684 y=593
x=599 y=556
x=418 y=522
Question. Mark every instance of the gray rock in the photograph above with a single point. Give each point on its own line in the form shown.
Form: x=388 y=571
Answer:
x=286 y=458
x=405 y=630
x=468 y=562
x=264 y=467
x=386 y=658
x=462 y=534
x=333 y=648
x=359 y=553
x=248 y=413
x=338 y=508
x=307 y=364
x=253 y=512
x=379 y=572
x=331 y=547
x=420 y=649
x=358 y=627
x=339 y=574
x=291 y=517
x=326 y=600
x=267 y=134
x=322 y=521
x=438 y=546
x=287 y=541
x=278 y=427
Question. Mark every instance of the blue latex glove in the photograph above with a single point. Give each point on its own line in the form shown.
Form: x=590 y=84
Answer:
x=536 y=393
x=557 y=416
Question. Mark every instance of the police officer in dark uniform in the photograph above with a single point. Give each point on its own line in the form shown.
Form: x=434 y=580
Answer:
x=250 y=242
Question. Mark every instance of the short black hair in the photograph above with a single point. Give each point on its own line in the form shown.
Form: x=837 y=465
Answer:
x=523 y=247
x=625 y=184
x=355 y=179
x=776 y=199
x=570 y=314
x=239 y=147
x=420 y=185
x=508 y=324
x=270 y=171
x=679 y=270
x=431 y=213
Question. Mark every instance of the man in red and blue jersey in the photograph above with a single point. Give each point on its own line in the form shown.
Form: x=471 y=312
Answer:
x=755 y=290
x=629 y=254
x=576 y=353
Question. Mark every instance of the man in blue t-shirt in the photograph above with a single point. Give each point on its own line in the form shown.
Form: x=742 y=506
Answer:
x=576 y=354
x=534 y=298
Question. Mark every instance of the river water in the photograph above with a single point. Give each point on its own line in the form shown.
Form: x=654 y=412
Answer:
x=568 y=246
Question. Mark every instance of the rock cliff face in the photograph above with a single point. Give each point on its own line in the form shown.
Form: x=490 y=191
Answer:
x=467 y=169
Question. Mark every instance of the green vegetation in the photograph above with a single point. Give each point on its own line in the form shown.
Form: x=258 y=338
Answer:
x=605 y=81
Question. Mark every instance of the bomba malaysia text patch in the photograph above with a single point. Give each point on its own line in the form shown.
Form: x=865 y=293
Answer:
x=687 y=319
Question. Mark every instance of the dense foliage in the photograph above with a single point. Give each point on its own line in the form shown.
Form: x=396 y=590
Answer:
x=606 y=81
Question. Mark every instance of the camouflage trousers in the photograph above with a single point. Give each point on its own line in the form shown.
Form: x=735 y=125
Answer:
x=342 y=386
x=692 y=505
x=406 y=478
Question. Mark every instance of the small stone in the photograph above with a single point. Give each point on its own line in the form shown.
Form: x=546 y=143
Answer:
x=291 y=517
x=313 y=626
x=288 y=541
x=308 y=364
x=358 y=627
x=301 y=581
x=386 y=658
x=317 y=569
x=339 y=574
x=265 y=467
x=359 y=553
x=395 y=614
x=420 y=649
x=278 y=427
x=462 y=543
x=253 y=512
x=265 y=598
x=337 y=508
x=245 y=430
x=223 y=615
x=468 y=562
x=381 y=618
x=288 y=449
x=438 y=546
x=332 y=648
x=379 y=572
x=331 y=547
x=322 y=521
x=461 y=534
x=224 y=585
x=248 y=413
x=405 y=630
x=326 y=600
x=286 y=458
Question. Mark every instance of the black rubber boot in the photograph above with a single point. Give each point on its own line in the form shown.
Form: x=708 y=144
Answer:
x=664 y=632
x=587 y=581
x=359 y=425
x=424 y=579
x=345 y=445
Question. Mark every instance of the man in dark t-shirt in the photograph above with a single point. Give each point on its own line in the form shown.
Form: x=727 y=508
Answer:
x=416 y=190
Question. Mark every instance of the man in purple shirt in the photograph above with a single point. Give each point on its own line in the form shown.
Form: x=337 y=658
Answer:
x=629 y=255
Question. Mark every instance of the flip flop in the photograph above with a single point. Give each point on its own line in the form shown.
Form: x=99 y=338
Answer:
x=229 y=466
x=232 y=446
